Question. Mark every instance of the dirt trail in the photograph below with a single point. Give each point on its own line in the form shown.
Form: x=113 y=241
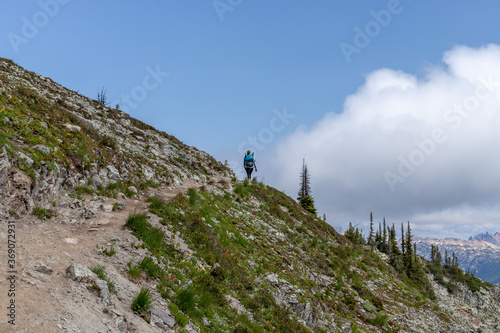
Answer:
x=51 y=302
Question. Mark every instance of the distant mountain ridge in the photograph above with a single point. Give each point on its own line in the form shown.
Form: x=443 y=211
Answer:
x=480 y=254
x=487 y=237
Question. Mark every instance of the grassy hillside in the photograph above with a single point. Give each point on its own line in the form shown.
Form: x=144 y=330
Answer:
x=262 y=260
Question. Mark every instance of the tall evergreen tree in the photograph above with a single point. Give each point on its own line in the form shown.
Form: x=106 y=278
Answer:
x=384 y=236
x=403 y=248
x=371 y=235
x=304 y=196
x=305 y=181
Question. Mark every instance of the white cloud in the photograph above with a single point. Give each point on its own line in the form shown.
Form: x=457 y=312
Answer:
x=420 y=149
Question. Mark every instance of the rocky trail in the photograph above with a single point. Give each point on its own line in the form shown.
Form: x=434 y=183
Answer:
x=46 y=297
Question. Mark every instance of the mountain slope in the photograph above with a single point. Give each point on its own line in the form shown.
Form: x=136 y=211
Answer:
x=110 y=213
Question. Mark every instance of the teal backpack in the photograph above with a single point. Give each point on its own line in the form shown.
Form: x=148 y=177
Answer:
x=249 y=161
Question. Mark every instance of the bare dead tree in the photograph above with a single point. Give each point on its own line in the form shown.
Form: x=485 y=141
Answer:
x=101 y=96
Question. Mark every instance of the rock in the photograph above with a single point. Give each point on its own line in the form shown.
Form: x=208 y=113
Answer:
x=272 y=279
x=133 y=189
x=107 y=208
x=305 y=311
x=293 y=299
x=149 y=173
x=44 y=124
x=119 y=205
x=86 y=214
x=4 y=159
x=44 y=149
x=80 y=273
x=29 y=162
x=104 y=291
x=44 y=269
x=121 y=324
x=113 y=173
x=164 y=317
x=75 y=204
x=73 y=128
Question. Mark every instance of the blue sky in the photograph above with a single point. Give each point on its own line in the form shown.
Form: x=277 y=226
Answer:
x=234 y=64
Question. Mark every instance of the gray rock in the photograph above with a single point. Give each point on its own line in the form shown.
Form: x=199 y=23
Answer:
x=121 y=324
x=293 y=299
x=75 y=204
x=44 y=124
x=165 y=318
x=305 y=311
x=73 y=128
x=44 y=149
x=113 y=173
x=133 y=189
x=29 y=162
x=104 y=291
x=80 y=273
x=87 y=214
x=272 y=279
x=44 y=269
x=4 y=159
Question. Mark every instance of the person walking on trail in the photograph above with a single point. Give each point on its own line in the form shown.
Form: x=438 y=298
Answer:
x=249 y=164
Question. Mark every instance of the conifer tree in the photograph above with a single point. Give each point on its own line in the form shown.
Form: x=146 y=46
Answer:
x=402 y=238
x=304 y=196
x=371 y=235
x=384 y=236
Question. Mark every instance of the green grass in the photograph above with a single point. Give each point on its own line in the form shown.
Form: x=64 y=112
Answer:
x=142 y=302
x=42 y=213
x=152 y=270
x=153 y=237
x=134 y=272
x=379 y=320
x=84 y=189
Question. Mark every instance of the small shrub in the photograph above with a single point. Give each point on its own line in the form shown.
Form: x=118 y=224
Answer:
x=84 y=189
x=134 y=272
x=379 y=320
x=148 y=265
x=142 y=302
x=193 y=196
x=185 y=300
x=42 y=213
x=112 y=186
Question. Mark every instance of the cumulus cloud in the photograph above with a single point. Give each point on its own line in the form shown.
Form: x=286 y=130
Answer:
x=424 y=149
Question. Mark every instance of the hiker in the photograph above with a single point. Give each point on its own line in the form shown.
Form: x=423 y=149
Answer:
x=249 y=164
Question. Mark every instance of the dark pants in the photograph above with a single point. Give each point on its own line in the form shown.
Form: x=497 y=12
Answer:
x=249 y=173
